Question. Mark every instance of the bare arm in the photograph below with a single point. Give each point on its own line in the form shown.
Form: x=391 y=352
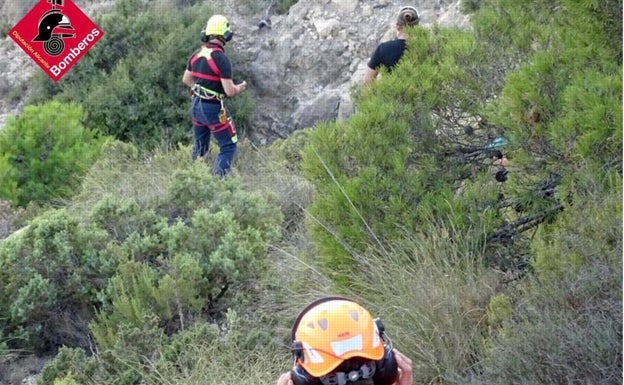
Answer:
x=188 y=78
x=369 y=76
x=285 y=379
x=232 y=89
x=406 y=377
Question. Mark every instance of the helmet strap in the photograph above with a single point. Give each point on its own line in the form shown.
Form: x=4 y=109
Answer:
x=365 y=372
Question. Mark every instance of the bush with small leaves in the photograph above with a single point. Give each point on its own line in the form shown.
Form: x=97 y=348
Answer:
x=70 y=367
x=44 y=153
x=394 y=167
x=207 y=237
x=50 y=274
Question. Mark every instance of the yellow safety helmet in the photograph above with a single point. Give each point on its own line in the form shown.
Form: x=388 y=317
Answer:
x=218 y=25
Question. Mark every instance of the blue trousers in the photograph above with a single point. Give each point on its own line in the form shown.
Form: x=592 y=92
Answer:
x=206 y=124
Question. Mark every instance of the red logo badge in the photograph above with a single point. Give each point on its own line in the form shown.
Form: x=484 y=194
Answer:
x=55 y=33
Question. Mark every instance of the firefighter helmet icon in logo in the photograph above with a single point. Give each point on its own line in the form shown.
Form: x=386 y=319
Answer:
x=53 y=28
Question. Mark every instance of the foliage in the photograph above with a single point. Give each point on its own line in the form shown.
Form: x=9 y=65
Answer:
x=70 y=366
x=567 y=97
x=413 y=166
x=192 y=251
x=203 y=351
x=45 y=152
x=568 y=327
x=590 y=234
x=147 y=266
x=50 y=274
x=396 y=165
x=372 y=179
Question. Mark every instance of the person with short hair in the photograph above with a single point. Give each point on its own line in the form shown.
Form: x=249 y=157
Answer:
x=209 y=75
x=336 y=341
x=388 y=54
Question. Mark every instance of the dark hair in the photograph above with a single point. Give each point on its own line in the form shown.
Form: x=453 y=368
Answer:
x=408 y=16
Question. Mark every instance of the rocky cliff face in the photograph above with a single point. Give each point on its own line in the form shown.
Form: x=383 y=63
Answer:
x=300 y=69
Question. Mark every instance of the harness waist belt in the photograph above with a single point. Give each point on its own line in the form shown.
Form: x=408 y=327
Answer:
x=205 y=93
x=213 y=100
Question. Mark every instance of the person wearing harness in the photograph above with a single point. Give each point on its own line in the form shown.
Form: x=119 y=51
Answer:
x=336 y=341
x=388 y=54
x=209 y=75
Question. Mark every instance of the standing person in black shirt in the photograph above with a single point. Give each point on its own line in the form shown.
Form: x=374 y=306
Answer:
x=387 y=54
x=209 y=74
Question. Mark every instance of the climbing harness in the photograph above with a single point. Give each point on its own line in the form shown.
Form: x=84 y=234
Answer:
x=198 y=90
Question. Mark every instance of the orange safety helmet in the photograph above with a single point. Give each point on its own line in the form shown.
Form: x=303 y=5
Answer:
x=332 y=330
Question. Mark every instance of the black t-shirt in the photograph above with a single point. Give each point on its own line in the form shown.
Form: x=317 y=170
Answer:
x=204 y=75
x=387 y=54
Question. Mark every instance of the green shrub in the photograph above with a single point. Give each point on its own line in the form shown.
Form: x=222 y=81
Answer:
x=590 y=233
x=582 y=351
x=70 y=367
x=10 y=218
x=562 y=109
x=565 y=104
x=403 y=181
x=50 y=274
x=568 y=325
x=45 y=152
x=161 y=246
x=207 y=235
x=397 y=164
x=136 y=291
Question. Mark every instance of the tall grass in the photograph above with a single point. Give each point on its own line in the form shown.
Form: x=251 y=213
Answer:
x=461 y=321
x=431 y=295
x=433 y=300
x=122 y=171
